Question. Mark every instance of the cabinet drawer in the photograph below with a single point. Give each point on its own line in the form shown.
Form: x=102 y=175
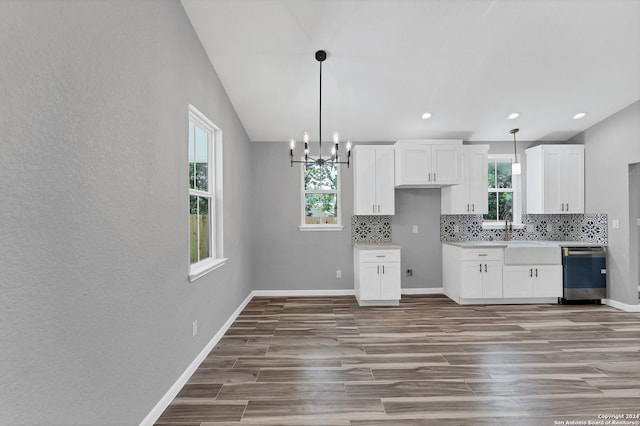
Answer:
x=380 y=256
x=479 y=254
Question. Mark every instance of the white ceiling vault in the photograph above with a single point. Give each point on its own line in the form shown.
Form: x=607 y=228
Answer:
x=468 y=62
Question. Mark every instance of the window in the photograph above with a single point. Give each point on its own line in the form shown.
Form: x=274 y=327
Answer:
x=504 y=191
x=205 y=195
x=320 y=197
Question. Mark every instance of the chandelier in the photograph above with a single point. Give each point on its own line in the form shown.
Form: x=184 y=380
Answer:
x=321 y=55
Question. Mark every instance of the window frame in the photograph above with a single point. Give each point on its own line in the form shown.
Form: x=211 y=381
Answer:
x=319 y=227
x=214 y=193
x=516 y=189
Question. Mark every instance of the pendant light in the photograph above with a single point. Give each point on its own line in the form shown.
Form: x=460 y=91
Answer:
x=321 y=55
x=515 y=167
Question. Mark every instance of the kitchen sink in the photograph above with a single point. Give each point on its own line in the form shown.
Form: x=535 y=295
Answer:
x=531 y=253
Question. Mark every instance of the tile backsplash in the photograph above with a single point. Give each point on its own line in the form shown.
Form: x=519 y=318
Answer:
x=370 y=229
x=588 y=227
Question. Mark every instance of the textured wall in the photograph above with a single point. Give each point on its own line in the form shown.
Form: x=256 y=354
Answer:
x=610 y=146
x=95 y=305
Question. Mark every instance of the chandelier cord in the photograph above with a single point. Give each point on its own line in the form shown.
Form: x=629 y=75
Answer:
x=320 y=114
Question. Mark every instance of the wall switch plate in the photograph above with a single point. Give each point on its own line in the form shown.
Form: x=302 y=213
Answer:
x=415 y=229
x=615 y=223
x=338 y=273
x=194 y=328
x=638 y=221
x=409 y=272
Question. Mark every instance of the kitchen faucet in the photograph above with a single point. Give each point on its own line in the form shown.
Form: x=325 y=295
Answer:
x=508 y=227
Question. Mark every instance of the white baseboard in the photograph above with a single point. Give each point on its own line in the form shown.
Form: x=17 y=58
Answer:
x=621 y=306
x=424 y=290
x=159 y=408
x=294 y=293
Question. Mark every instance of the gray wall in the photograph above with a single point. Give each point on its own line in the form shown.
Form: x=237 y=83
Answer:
x=634 y=229
x=610 y=146
x=285 y=258
x=95 y=306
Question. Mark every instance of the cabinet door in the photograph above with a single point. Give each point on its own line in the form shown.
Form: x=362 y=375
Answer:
x=471 y=280
x=384 y=182
x=415 y=167
x=547 y=281
x=573 y=180
x=517 y=281
x=390 y=281
x=365 y=182
x=492 y=279
x=476 y=181
x=370 y=281
x=553 y=192
x=445 y=165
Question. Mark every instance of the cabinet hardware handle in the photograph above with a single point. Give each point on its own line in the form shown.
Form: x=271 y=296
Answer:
x=482 y=254
x=383 y=269
x=531 y=272
x=562 y=207
x=536 y=272
x=473 y=207
x=567 y=206
x=380 y=255
x=429 y=174
x=480 y=268
x=467 y=207
x=434 y=176
x=373 y=206
x=485 y=267
x=378 y=269
x=378 y=208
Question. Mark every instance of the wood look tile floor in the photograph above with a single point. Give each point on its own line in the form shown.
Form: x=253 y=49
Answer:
x=327 y=361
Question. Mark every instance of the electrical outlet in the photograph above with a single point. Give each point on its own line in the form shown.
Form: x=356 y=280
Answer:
x=409 y=272
x=549 y=227
x=194 y=328
x=415 y=229
x=638 y=221
x=456 y=228
x=531 y=228
x=615 y=223
x=338 y=273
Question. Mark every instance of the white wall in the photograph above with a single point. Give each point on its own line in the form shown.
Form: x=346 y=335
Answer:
x=610 y=146
x=95 y=305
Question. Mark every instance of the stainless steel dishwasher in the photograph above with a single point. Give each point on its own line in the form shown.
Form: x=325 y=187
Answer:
x=584 y=273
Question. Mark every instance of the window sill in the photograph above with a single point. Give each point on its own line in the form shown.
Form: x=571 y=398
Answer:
x=200 y=269
x=321 y=228
x=501 y=225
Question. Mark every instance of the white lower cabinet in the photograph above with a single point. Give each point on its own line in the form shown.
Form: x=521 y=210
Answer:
x=377 y=276
x=532 y=281
x=481 y=274
x=472 y=274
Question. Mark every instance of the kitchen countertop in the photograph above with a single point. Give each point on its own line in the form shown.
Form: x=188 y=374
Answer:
x=387 y=245
x=501 y=243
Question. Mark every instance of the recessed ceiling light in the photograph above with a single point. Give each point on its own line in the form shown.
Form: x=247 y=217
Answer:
x=579 y=115
x=513 y=115
x=426 y=115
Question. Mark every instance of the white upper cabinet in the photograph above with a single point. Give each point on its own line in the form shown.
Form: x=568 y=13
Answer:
x=470 y=197
x=373 y=178
x=555 y=179
x=428 y=163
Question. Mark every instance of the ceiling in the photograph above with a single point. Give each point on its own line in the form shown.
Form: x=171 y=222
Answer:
x=468 y=62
